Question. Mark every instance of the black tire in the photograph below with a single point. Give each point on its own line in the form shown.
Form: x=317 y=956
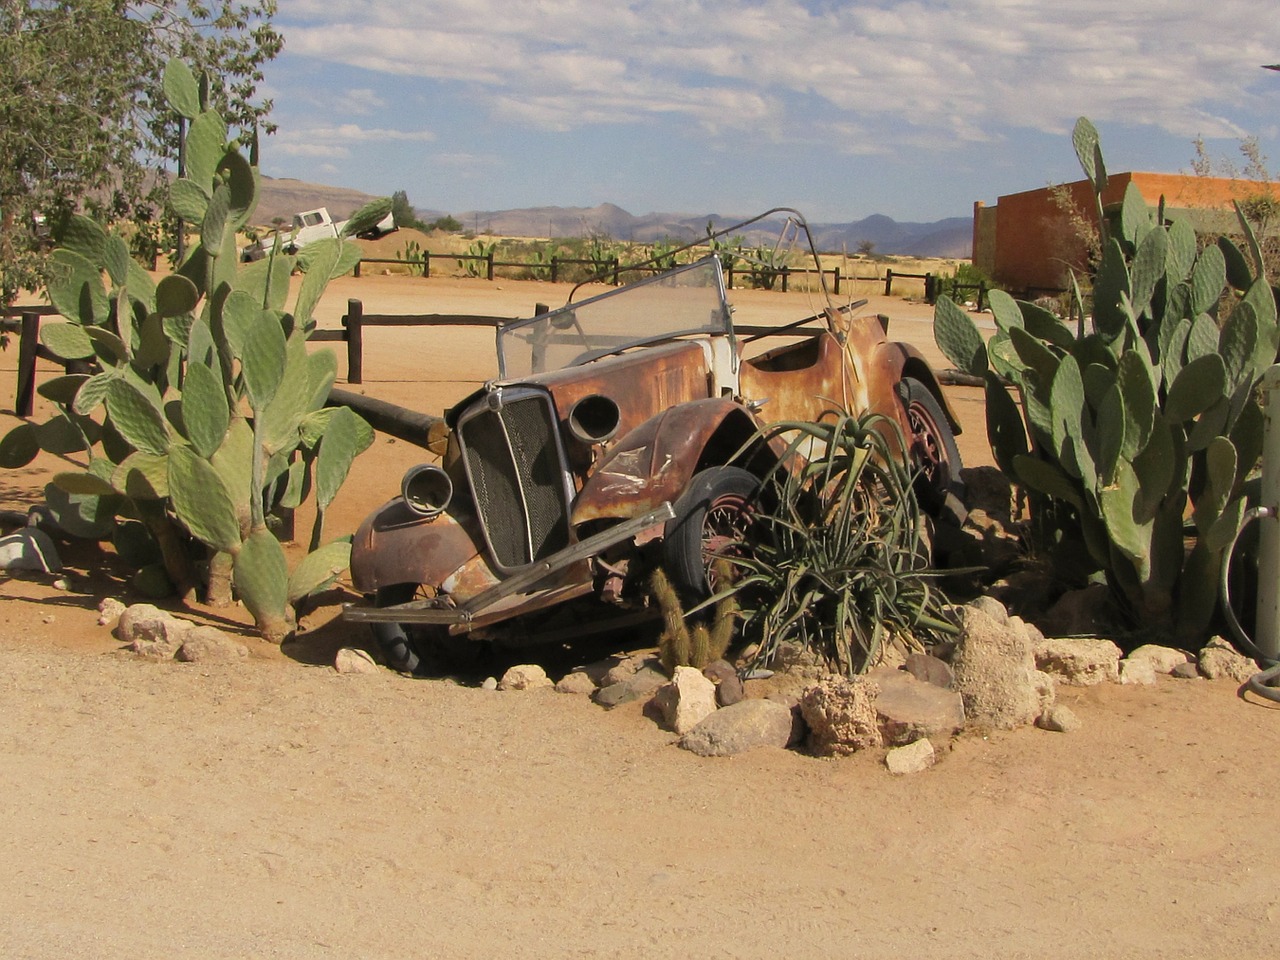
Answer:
x=714 y=509
x=934 y=453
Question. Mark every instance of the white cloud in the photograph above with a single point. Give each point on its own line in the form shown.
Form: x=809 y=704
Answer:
x=962 y=71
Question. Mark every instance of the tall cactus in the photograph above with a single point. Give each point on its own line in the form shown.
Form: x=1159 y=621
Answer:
x=202 y=413
x=1143 y=412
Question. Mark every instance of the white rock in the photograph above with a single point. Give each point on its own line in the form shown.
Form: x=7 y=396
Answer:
x=1162 y=659
x=687 y=700
x=1058 y=718
x=354 y=660
x=29 y=549
x=915 y=757
x=524 y=676
x=210 y=645
x=1219 y=660
x=1140 y=671
x=109 y=610
x=1080 y=662
x=578 y=681
x=489 y=683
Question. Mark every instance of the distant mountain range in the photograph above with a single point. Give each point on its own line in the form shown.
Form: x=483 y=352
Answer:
x=952 y=237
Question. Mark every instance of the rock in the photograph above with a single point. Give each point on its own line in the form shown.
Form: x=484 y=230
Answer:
x=1139 y=671
x=29 y=549
x=489 y=683
x=686 y=701
x=1162 y=659
x=992 y=607
x=1046 y=690
x=524 y=676
x=1080 y=662
x=354 y=660
x=640 y=686
x=109 y=610
x=729 y=688
x=908 y=709
x=1027 y=593
x=841 y=715
x=1219 y=660
x=1059 y=719
x=627 y=667
x=576 y=681
x=1090 y=611
x=914 y=757
x=930 y=669
x=995 y=672
x=152 y=632
x=210 y=645
x=1185 y=671
x=799 y=661
x=988 y=489
x=743 y=726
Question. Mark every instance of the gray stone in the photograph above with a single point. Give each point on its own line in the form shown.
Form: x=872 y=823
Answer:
x=1219 y=660
x=489 y=683
x=914 y=757
x=841 y=715
x=354 y=661
x=524 y=676
x=930 y=669
x=744 y=726
x=729 y=688
x=1059 y=719
x=686 y=701
x=1080 y=662
x=29 y=549
x=576 y=681
x=1140 y=671
x=640 y=686
x=109 y=611
x=995 y=672
x=210 y=645
x=1185 y=671
x=1162 y=659
x=992 y=607
x=908 y=709
x=152 y=632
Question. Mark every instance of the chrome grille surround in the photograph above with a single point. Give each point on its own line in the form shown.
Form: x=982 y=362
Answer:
x=516 y=468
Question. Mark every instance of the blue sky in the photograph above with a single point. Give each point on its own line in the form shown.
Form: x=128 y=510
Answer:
x=909 y=108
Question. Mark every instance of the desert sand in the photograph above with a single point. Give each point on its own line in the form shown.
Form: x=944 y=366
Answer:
x=277 y=809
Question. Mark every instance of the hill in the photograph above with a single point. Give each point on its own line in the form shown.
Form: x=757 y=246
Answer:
x=952 y=237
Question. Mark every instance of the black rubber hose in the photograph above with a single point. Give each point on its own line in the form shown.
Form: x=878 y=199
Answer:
x=1266 y=683
x=395 y=646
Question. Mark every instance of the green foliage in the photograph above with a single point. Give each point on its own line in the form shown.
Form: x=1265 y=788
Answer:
x=203 y=416
x=82 y=114
x=836 y=562
x=1142 y=415
x=473 y=266
x=412 y=255
x=446 y=224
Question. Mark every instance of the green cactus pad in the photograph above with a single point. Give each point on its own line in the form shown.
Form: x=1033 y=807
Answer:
x=201 y=501
x=189 y=200
x=318 y=569
x=262 y=362
x=206 y=143
x=62 y=389
x=19 y=446
x=1208 y=278
x=68 y=340
x=142 y=476
x=1198 y=385
x=176 y=295
x=204 y=409
x=139 y=421
x=957 y=336
x=181 y=90
x=261 y=576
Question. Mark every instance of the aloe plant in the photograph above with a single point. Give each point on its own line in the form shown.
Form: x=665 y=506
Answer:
x=1137 y=421
x=835 y=560
x=202 y=411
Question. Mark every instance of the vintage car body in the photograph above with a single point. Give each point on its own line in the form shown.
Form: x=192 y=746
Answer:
x=611 y=420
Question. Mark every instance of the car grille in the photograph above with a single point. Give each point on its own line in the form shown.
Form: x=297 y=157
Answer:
x=513 y=461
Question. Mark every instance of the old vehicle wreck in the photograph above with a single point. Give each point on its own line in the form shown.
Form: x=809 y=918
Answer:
x=622 y=433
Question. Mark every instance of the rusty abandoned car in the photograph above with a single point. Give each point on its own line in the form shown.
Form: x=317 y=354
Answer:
x=618 y=435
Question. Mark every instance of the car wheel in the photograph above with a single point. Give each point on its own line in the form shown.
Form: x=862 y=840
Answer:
x=713 y=515
x=934 y=453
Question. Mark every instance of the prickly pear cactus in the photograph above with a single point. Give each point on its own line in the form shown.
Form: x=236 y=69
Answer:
x=1143 y=415
x=200 y=410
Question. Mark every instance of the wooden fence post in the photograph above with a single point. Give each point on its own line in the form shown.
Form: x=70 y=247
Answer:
x=426 y=264
x=888 y=280
x=489 y=259
x=357 y=272
x=27 y=342
x=354 y=322
x=836 y=271
x=786 y=275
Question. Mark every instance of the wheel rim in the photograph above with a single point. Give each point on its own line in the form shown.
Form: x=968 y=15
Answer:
x=927 y=446
x=724 y=531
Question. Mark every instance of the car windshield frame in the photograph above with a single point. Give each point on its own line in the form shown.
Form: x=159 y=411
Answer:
x=689 y=300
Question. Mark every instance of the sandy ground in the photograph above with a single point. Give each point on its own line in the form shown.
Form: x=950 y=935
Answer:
x=276 y=809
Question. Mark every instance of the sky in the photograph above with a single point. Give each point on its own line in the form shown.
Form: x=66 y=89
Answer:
x=909 y=108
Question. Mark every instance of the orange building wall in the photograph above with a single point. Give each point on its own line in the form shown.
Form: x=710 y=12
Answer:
x=1032 y=246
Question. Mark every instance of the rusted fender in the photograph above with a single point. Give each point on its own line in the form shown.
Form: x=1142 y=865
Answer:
x=904 y=360
x=395 y=545
x=655 y=461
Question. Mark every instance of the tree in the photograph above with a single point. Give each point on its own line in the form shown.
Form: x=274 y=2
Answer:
x=81 y=116
x=402 y=210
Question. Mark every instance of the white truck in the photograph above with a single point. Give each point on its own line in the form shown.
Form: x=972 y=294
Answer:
x=312 y=225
